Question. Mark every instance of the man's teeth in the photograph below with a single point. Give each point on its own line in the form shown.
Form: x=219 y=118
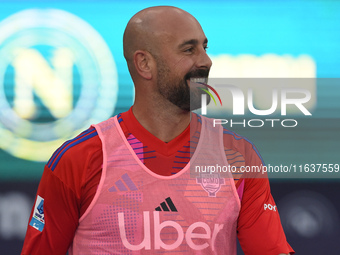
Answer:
x=202 y=80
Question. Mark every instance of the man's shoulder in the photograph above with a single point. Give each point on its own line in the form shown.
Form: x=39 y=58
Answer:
x=235 y=138
x=231 y=139
x=240 y=143
x=76 y=149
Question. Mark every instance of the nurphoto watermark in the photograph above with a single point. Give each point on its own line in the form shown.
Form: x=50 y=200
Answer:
x=294 y=122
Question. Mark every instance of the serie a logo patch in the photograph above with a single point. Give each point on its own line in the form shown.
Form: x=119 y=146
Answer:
x=38 y=218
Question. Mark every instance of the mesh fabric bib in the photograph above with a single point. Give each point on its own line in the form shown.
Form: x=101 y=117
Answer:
x=136 y=211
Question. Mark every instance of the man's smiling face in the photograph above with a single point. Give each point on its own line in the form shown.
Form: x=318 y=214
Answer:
x=181 y=57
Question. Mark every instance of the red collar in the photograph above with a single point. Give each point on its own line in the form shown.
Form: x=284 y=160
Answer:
x=148 y=139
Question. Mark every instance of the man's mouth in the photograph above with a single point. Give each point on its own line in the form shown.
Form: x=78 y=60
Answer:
x=197 y=81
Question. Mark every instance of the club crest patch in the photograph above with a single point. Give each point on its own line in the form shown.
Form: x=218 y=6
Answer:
x=210 y=182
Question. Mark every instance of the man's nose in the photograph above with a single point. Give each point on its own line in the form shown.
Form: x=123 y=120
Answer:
x=203 y=60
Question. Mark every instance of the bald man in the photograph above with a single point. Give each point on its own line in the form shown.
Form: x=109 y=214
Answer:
x=124 y=187
x=164 y=47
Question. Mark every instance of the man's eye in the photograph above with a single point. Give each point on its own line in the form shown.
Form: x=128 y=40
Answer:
x=191 y=49
x=206 y=48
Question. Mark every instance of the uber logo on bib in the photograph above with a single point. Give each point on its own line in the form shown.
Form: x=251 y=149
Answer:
x=209 y=234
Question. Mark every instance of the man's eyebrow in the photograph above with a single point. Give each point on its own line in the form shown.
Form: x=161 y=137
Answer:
x=192 y=42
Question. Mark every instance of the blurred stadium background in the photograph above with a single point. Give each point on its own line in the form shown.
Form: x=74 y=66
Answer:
x=62 y=68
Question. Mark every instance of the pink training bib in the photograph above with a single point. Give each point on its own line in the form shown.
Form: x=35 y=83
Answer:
x=136 y=211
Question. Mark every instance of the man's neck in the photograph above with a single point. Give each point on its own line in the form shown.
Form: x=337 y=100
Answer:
x=165 y=124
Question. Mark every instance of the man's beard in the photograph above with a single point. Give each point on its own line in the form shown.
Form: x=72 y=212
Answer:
x=178 y=91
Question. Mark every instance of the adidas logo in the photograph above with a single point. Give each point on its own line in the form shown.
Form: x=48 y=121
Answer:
x=165 y=204
x=123 y=184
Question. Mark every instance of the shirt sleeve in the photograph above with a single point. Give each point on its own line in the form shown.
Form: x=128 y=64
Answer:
x=63 y=195
x=259 y=226
x=51 y=229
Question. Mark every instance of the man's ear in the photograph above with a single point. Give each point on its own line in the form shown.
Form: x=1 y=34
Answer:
x=144 y=63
